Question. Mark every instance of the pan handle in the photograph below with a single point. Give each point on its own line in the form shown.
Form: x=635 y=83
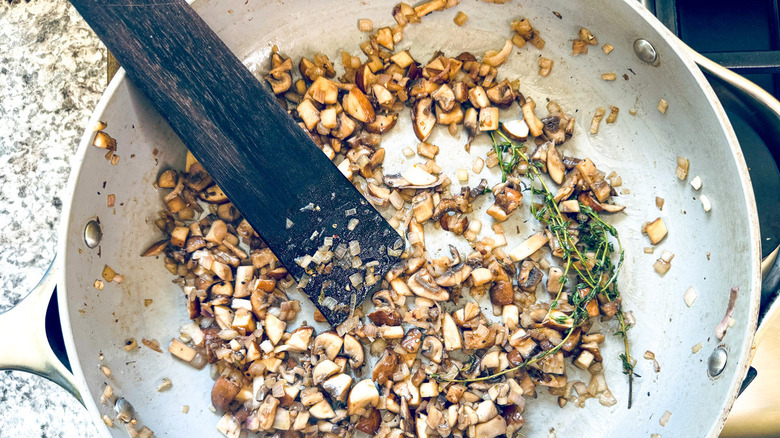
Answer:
x=36 y=335
x=767 y=109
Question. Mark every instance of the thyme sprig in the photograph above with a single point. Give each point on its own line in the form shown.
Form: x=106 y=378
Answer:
x=589 y=254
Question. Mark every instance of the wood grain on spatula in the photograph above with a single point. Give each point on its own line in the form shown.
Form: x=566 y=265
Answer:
x=271 y=170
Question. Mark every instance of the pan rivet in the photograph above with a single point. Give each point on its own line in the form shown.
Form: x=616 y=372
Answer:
x=645 y=51
x=92 y=233
x=717 y=362
x=124 y=410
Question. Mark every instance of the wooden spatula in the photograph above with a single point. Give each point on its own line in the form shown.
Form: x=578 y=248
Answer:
x=287 y=189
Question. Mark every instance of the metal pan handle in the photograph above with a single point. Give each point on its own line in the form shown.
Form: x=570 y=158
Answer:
x=767 y=109
x=35 y=345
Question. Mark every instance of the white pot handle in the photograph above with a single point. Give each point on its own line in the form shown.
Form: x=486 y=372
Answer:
x=26 y=343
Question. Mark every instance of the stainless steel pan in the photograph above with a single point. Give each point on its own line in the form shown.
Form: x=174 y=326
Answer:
x=714 y=251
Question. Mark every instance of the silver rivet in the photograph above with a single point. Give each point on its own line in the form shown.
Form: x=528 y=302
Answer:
x=92 y=233
x=717 y=362
x=645 y=51
x=124 y=410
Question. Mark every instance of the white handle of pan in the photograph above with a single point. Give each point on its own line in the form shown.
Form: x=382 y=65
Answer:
x=26 y=345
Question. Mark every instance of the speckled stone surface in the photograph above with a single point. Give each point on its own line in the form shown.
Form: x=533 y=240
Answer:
x=52 y=72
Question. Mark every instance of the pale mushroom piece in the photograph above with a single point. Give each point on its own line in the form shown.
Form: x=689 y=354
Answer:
x=274 y=328
x=338 y=387
x=690 y=296
x=181 y=350
x=423 y=118
x=683 y=164
x=451 y=334
x=365 y=25
x=324 y=370
x=663 y=105
x=362 y=395
x=705 y=203
x=491 y=429
x=494 y=58
x=696 y=183
x=328 y=343
x=354 y=351
x=656 y=230
x=322 y=410
x=516 y=130
x=530 y=246
x=416 y=175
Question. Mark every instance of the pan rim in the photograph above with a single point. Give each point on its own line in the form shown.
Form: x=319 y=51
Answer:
x=679 y=51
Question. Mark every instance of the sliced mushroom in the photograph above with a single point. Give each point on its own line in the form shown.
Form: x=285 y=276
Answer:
x=455 y=116
x=354 y=351
x=444 y=97
x=490 y=429
x=322 y=411
x=363 y=396
x=364 y=78
x=478 y=97
x=432 y=348
x=223 y=393
x=471 y=123
x=357 y=105
x=423 y=118
x=555 y=166
x=534 y=124
x=385 y=367
x=516 y=130
x=417 y=176
x=324 y=91
x=494 y=58
x=324 y=370
x=338 y=386
x=346 y=126
x=299 y=339
x=382 y=124
x=328 y=343
x=281 y=83
x=411 y=341
x=530 y=246
x=455 y=276
x=274 y=328
x=451 y=334
x=423 y=285
x=397 y=181
x=197 y=178
x=501 y=94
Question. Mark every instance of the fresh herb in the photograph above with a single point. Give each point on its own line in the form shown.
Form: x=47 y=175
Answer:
x=586 y=247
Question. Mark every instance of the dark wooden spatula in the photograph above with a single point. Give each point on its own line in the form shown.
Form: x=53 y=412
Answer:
x=271 y=170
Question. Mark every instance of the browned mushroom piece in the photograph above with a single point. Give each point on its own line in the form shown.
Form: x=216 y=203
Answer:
x=423 y=118
x=382 y=124
x=223 y=393
x=280 y=83
x=385 y=367
x=457 y=224
x=364 y=78
x=501 y=293
x=501 y=94
x=530 y=276
x=507 y=200
x=411 y=340
x=444 y=97
x=385 y=315
x=471 y=123
x=357 y=105
x=197 y=178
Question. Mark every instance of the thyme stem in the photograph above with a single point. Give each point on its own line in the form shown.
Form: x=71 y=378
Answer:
x=593 y=238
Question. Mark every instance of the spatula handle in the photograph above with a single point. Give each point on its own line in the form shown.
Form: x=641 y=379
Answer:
x=266 y=164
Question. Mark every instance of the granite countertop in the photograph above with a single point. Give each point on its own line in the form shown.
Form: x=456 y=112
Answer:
x=52 y=72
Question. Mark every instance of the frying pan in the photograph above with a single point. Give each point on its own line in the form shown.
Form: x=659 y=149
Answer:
x=713 y=251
